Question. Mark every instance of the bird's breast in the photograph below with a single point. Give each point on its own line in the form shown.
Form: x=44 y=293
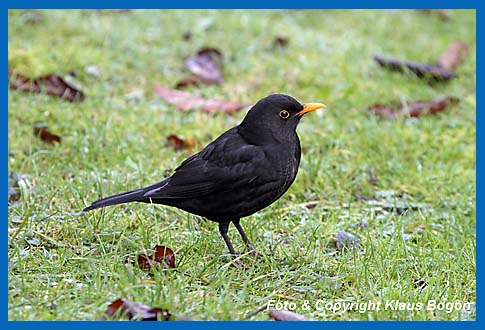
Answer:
x=285 y=161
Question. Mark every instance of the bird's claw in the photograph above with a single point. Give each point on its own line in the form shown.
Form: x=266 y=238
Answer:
x=255 y=253
x=236 y=261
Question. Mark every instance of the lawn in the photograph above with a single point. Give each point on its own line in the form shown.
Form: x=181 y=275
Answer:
x=404 y=188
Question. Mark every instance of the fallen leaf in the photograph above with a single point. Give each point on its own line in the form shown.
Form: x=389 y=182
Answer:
x=43 y=133
x=432 y=73
x=176 y=142
x=414 y=109
x=179 y=144
x=50 y=84
x=280 y=42
x=454 y=55
x=207 y=65
x=163 y=257
x=312 y=204
x=442 y=14
x=345 y=240
x=282 y=315
x=394 y=201
x=188 y=81
x=187 y=36
x=384 y=111
x=185 y=101
x=136 y=311
x=431 y=107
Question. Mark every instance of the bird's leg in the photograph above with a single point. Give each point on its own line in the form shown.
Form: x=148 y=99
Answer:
x=245 y=239
x=223 y=228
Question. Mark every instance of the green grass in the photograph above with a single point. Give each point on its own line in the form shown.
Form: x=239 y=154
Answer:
x=67 y=266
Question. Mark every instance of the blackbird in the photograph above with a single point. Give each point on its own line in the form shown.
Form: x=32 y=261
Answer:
x=243 y=171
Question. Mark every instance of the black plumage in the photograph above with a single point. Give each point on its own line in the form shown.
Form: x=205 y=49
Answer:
x=241 y=172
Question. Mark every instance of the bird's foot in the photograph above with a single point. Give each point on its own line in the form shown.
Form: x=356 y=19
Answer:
x=255 y=253
x=235 y=258
x=236 y=261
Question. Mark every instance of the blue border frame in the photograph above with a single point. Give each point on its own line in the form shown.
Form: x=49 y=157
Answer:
x=269 y=4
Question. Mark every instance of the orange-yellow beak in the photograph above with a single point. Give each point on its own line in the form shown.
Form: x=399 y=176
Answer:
x=309 y=107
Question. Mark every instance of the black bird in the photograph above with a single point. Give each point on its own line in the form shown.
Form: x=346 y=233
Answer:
x=244 y=170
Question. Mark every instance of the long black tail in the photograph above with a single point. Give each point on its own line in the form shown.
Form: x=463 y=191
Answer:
x=130 y=196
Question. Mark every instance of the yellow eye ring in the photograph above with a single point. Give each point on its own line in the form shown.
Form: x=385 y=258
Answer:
x=284 y=114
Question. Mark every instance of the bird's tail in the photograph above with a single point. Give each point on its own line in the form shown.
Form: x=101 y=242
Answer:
x=130 y=196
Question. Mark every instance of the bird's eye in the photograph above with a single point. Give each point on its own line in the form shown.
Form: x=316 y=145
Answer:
x=284 y=114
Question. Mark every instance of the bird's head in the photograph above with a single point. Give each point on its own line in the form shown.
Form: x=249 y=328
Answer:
x=276 y=115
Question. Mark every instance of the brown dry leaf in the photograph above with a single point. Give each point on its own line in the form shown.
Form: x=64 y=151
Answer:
x=50 y=84
x=442 y=14
x=179 y=144
x=311 y=204
x=389 y=112
x=207 y=65
x=282 y=315
x=280 y=42
x=135 y=311
x=454 y=55
x=187 y=36
x=414 y=109
x=431 y=107
x=185 y=101
x=188 y=81
x=432 y=73
x=163 y=257
x=46 y=136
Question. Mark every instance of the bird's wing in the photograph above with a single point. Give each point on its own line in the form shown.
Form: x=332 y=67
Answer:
x=225 y=164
